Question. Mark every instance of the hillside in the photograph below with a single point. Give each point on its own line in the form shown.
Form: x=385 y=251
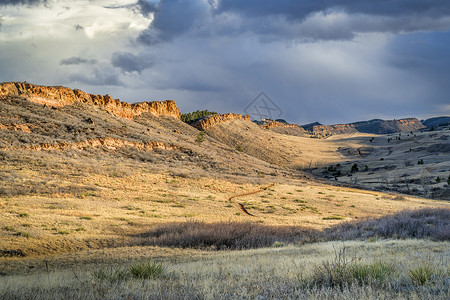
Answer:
x=436 y=122
x=83 y=171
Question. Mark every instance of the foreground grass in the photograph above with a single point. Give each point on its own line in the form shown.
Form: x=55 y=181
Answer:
x=387 y=269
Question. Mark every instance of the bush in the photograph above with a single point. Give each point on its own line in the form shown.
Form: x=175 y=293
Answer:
x=425 y=223
x=231 y=235
x=200 y=137
x=431 y=223
x=342 y=271
x=148 y=270
x=421 y=275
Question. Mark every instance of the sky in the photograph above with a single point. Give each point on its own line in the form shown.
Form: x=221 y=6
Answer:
x=331 y=61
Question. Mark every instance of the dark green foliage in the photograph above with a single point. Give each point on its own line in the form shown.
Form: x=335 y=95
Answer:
x=448 y=180
x=420 y=162
x=438 y=179
x=354 y=168
x=194 y=116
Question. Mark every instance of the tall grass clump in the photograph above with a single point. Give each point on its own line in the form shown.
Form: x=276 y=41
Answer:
x=143 y=270
x=342 y=271
x=422 y=275
x=147 y=270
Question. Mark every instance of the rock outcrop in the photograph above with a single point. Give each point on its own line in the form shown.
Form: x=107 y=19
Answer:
x=334 y=129
x=273 y=124
x=110 y=143
x=57 y=96
x=213 y=120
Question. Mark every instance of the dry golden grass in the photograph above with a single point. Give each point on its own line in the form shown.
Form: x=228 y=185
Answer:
x=119 y=207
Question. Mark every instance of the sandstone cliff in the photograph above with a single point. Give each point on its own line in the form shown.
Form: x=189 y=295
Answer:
x=61 y=96
x=210 y=121
x=273 y=124
x=334 y=129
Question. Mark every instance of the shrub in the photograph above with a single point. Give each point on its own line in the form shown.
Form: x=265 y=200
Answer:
x=9 y=228
x=421 y=275
x=431 y=223
x=200 y=137
x=370 y=273
x=354 y=168
x=342 y=271
x=147 y=270
x=425 y=223
x=224 y=235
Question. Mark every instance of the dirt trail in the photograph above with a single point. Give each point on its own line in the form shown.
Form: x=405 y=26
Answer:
x=241 y=206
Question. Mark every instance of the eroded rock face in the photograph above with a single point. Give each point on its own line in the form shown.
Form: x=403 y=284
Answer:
x=60 y=96
x=110 y=143
x=279 y=124
x=213 y=120
x=334 y=129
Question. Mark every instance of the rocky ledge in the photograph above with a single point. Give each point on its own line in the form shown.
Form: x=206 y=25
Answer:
x=61 y=96
x=213 y=120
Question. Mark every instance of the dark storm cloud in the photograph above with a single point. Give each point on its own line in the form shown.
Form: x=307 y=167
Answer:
x=129 y=62
x=292 y=19
x=97 y=77
x=146 y=7
x=299 y=9
x=22 y=2
x=174 y=17
x=75 y=60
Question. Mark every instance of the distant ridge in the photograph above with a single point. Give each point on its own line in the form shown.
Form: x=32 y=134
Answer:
x=436 y=121
x=375 y=126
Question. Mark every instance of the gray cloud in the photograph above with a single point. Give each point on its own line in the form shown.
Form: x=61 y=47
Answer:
x=292 y=19
x=129 y=62
x=97 y=77
x=299 y=9
x=174 y=17
x=146 y=7
x=22 y=2
x=75 y=60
